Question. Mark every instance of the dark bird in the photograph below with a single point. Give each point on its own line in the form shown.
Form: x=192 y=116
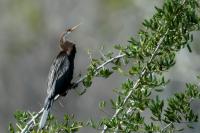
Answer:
x=60 y=74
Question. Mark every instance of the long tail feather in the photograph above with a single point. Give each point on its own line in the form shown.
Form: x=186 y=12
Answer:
x=47 y=107
x=43 y=119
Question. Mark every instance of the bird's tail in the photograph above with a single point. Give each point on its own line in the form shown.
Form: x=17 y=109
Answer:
x=47 y=106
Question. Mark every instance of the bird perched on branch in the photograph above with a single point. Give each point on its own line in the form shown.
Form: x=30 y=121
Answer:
x=60 y=74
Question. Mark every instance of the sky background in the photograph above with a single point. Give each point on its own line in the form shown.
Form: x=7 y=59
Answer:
x=29 y=31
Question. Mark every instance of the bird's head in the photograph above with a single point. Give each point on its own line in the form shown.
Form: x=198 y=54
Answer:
x=65 y=44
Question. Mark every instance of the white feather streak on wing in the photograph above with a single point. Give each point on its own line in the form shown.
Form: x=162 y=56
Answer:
x=61 y=63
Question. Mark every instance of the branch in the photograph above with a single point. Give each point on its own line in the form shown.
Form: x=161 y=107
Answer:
x=144 y=70
x=168 y=125
x=101 y=66
x=31 y=123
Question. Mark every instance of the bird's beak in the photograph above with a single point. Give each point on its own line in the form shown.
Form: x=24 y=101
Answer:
x=68 y=31
x=73 y=28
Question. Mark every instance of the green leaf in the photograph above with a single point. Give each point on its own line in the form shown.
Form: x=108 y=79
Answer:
x=102 y=105
x=159 y=90
x=105 y=73
x=87 y=82
x=11 y=128
x=189 y=48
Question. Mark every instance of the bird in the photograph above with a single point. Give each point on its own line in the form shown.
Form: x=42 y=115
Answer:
x=60 y=74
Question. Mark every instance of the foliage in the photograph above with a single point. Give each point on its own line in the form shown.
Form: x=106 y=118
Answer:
x=68 y=125
x=167 y=32
x=148 y=57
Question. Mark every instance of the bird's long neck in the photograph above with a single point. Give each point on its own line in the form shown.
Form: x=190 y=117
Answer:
x=68 y=47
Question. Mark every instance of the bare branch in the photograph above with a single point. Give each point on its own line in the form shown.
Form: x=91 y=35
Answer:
x=168 y=125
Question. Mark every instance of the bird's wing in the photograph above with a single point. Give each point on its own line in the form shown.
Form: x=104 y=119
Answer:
x=59 y=67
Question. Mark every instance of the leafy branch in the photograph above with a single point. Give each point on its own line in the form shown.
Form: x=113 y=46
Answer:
x=144 y=70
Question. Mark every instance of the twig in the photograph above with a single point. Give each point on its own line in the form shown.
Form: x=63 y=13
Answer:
x=31 y=123
x=168 y=125
x=20 y=128
x=102 y=54
x=144 y=70
x=101 y=66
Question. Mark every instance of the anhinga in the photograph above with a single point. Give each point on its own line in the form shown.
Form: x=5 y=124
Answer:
x=60 y=74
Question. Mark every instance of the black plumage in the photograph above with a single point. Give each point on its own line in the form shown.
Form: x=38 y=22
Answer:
x=60 y=75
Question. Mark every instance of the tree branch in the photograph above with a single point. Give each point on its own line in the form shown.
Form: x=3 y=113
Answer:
x=168 y=125
x=144 y=70
x=101 y=66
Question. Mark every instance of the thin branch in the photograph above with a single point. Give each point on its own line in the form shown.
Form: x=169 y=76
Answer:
x=101 y=66
x=168 y=125
x=102 y=54
x=20 y=128
x=144 y=70
x=31 y=123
